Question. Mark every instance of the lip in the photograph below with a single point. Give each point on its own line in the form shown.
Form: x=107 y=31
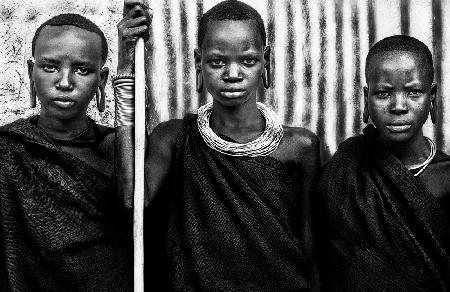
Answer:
x=233 y=92
x=64 y=102
x=398 y=128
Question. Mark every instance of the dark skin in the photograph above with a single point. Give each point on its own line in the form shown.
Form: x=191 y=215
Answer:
x=399 y=97
x=231 y=59
x=67 y=72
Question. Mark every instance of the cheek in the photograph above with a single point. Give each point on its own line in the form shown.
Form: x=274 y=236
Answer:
x=377 y=108
x=43 y=84
x=421 y=110
x=211 y=78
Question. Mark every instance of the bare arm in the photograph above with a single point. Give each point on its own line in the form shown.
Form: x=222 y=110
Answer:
x=135 y=23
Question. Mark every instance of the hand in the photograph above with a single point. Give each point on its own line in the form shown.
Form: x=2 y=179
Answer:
x=136 y=21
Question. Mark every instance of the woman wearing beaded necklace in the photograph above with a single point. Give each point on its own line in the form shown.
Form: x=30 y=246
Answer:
x=384 y=206
x=60 y=227
x=228 y=189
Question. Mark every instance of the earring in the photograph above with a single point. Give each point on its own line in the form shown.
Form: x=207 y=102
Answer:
x=199 y=81
x=433 y=113
x=32 y=95
x=266 y=77
x=100 y=99
x=365 y=115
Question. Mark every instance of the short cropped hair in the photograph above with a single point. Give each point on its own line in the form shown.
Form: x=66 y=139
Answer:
x=230 y=10
x=402 y=43
x=75 y=20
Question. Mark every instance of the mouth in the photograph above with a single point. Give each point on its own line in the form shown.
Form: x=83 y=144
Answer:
x=63 y=102
x=398 y=128
x=233 y=93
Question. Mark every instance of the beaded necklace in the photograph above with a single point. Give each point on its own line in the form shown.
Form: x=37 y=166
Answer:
x=262 y=146
x=417 y=170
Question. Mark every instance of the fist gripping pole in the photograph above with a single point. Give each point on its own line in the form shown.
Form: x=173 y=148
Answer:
x=139 y=155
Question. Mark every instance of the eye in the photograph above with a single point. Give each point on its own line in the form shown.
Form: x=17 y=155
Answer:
x=249 y=61
x=383 y=94
x=82 y=70
x=414 y=93
x=49 y=68
x=217 y=62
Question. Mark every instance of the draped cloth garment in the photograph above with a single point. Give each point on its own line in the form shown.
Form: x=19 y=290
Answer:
x=232 y=221
x=57 y=231
x=381 y=229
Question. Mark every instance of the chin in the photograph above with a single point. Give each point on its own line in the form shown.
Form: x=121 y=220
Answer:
x=397 y=138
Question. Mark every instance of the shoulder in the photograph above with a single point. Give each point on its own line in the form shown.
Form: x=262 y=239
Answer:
x=345 y=161
x=299 y=146
x=166 y=132
x=300 y=139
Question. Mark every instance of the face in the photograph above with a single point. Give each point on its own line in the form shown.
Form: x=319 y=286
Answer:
x=232 y=59
x=67 y=71
x=399 y=95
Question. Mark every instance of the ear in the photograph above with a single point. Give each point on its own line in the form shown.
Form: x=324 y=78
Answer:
x=266 y=70
x=30 y=65
x=366 y=105
x=267 y=56
x=104 y=73
x=198 y=60
x=434 y=103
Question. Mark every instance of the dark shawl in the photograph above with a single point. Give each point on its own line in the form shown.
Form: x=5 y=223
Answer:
x=382 y=230
x=57 y=231
x=232 y=222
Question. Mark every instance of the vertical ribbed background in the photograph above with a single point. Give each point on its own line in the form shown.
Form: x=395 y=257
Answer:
x=318 y=53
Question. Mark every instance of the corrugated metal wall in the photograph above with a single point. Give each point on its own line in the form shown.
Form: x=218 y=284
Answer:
x=318 y=53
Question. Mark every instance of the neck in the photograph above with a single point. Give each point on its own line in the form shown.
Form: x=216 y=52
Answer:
x=230 y=119
x=62 y=128
x=413 y=152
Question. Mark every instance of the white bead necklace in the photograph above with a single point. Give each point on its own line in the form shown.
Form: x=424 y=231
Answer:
x=262 y=146
x=424 y=164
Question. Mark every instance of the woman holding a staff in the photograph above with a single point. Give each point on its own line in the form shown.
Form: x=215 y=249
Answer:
x=228 y=188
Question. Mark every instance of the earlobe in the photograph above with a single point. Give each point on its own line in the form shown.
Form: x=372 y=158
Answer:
x=433 y=103
x=199 y=81
x=198 y=71
x=100 y=95
x=366 y=106
x=266 y=72
x=30 y=65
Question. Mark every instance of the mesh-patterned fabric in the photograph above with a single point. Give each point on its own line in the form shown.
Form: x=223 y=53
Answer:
x=57 y=231
x=232 y=221
x=381 y=229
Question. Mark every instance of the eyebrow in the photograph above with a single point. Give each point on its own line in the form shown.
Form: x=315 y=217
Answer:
x=413 y=84
x=384 y=85
x=55 y=61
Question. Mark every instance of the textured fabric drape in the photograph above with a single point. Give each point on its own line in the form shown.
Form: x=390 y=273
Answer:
x=318 y=53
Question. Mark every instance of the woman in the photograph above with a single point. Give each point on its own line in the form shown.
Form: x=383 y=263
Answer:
x=384 y=209
x=229 y=188
x=60 y=229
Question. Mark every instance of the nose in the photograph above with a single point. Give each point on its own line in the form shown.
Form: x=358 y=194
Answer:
x=399 y=104
x=65 y=81
x=233 y=73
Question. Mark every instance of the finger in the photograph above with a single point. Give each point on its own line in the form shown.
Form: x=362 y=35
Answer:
x=136 y=32
x=141 y=21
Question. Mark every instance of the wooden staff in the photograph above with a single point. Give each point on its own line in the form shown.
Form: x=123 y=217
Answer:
x=139 y=156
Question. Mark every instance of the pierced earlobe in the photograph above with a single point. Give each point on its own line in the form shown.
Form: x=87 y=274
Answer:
x=100 y=99
x=266 y=77
x=199 y=81
x=32 y=95
x=365 y=115
x=433 y=113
